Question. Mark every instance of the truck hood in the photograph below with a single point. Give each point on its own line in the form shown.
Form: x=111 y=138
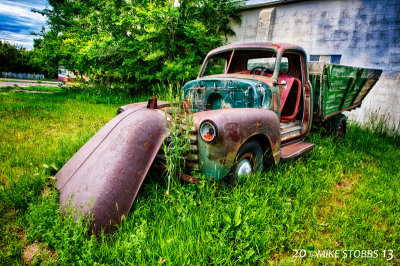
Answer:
x=229 y=91
x=257 y=78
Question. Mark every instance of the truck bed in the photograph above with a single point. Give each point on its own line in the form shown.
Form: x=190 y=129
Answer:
x=338 y=88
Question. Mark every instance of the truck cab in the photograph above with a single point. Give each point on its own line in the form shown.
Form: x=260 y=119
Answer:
x=272 y=78
x=280 y=73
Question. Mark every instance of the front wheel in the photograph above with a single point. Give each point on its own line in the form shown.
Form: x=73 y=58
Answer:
x=248 y=161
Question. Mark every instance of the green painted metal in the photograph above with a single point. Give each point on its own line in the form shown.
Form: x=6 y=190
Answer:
x=339 y=88
x=215 y=93
x=212 y=169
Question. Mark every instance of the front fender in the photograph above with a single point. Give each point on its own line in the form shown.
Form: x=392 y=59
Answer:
x=110 y=168
x=235 y=126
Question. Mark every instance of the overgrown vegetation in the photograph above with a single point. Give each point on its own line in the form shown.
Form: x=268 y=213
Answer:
x=133 y=44
x=341 y=195
x=382 y=124
x=179 y=121
x=17 y=59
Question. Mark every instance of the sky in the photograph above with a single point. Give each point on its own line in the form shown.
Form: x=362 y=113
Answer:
x=17 y=22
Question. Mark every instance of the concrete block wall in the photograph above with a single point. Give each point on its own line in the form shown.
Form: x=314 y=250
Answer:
x=365 y=32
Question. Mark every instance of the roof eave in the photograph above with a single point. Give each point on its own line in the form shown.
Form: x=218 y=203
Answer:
x=264 y=3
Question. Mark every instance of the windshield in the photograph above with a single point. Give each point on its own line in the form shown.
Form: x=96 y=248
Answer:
x=249 y=61
x=216 y=65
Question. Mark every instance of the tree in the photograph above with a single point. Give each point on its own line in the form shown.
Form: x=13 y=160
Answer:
x=16 y=59
x=47 y=54
x=136 y=42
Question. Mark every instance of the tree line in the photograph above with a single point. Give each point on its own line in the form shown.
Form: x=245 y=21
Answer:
x=17 y=59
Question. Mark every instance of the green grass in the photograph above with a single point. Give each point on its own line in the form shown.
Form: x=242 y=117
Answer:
x=340 y=196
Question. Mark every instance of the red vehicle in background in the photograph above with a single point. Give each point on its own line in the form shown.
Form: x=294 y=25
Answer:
x=65 y=75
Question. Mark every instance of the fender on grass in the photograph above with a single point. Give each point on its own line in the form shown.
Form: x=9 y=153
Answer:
x=105 y=175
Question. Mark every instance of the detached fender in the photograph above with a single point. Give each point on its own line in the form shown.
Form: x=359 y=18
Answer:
x=105 y=175
x=136 y=106
x=234 y=127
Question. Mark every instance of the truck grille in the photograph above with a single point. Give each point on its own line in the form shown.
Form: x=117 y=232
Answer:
x=191 y=157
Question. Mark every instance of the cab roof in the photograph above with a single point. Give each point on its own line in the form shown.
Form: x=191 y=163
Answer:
x=257 y=45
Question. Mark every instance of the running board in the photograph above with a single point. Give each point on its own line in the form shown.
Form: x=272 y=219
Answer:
x=293 y=149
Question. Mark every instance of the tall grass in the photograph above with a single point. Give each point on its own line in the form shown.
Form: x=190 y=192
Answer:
x=381 y=124
x=179 y=121
x=341 y=195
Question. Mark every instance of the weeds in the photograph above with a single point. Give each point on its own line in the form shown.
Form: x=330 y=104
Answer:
x=18 y=194
x=381 y=125
x=58 y=231
x=101 y=94
x=179 y=121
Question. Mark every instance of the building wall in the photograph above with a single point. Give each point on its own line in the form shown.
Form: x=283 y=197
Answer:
x=365 y=32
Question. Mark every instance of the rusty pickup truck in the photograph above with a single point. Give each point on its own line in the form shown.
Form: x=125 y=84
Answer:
x=252 y=103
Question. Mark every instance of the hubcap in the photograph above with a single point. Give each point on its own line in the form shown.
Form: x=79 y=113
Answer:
x=244 y=167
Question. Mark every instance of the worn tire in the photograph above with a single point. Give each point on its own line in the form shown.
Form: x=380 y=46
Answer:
x=249 y=160
x=337 y=126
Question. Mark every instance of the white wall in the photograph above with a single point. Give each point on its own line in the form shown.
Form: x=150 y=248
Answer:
x=366 y=33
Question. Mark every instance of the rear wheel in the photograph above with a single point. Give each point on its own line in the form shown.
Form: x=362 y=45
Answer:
x=337 y=126
x=248 y=161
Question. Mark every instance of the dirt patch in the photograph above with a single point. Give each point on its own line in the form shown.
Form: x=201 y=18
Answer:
x=281 y=258
x=28 y=80
x=345 y=184
x=47 y=192
x=26 y=84
x=22 y=83
x=38 y=252
x=340 y=198
x=29 y=91
x=30 y=252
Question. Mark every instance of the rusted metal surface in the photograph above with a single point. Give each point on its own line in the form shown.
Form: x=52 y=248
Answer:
x=277 y=48
x=141 y=105
x=265 y=79
x=256 y=45
x=109 y=169
x=189 y=178
x=235 y=127
x=295 y=148
x=307 y=97
x=152 y=103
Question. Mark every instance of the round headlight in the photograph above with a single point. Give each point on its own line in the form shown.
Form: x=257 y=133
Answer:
x=208 y=131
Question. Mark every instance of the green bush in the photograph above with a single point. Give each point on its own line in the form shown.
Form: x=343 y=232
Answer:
x=136 y=43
